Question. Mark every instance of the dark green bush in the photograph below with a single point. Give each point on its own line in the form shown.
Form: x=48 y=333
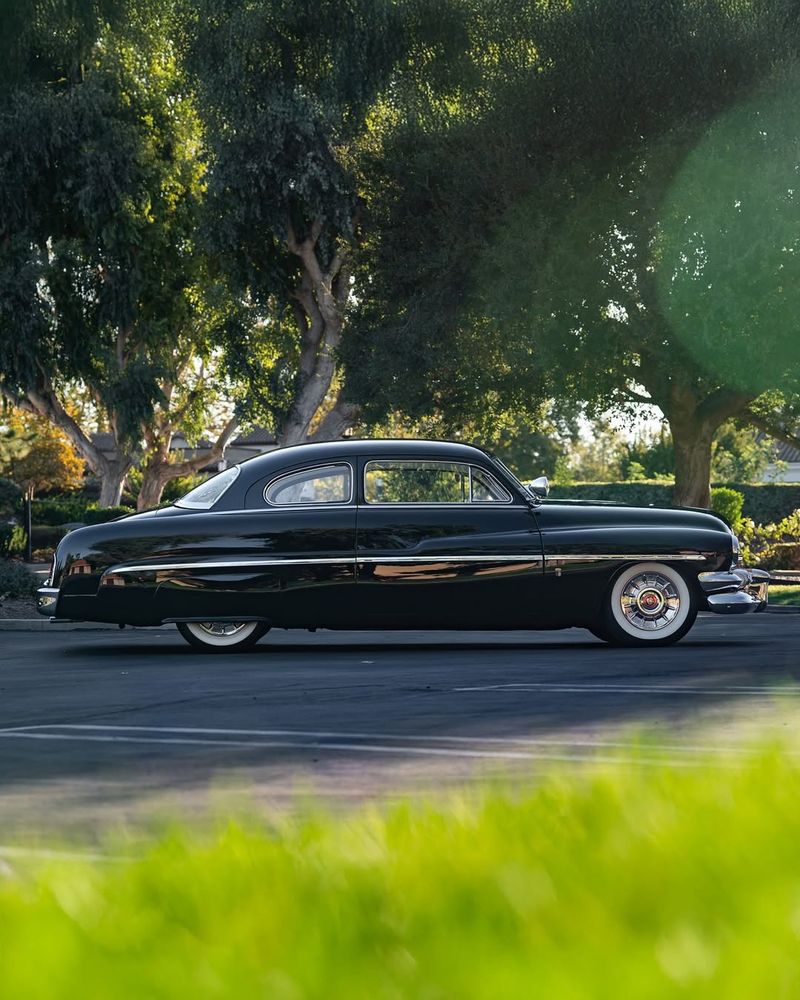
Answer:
x=765 y=503
x=66 y=511
x=15 y=580
x=99 y=515
x=12 y=539
x=10 y=497
x=60 y=511
x=728 y=503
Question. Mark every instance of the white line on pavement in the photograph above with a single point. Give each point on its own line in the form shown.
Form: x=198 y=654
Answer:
x=515 y=741
x=314 y=745
x=578 y=688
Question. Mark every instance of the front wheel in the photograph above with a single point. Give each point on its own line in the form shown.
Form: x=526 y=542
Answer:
x=216 y=637
x=648 y=604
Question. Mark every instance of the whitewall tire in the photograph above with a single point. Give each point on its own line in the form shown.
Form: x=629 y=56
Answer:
x=218 y=637
x=648 y=604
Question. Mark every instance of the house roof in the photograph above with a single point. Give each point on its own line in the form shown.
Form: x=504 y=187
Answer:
x=787 y=452
x=243 y=446
x=258 y=435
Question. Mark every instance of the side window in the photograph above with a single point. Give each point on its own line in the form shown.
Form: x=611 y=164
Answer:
x=416 y=482
x=486 y=489
x=324 y=484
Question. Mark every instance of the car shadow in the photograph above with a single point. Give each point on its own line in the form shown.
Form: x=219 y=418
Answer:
x=179 y=649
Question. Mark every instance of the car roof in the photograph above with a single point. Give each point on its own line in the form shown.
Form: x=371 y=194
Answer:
x=323 y=451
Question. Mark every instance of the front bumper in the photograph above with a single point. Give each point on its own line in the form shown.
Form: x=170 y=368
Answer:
x=735 y=591
x=46 y=600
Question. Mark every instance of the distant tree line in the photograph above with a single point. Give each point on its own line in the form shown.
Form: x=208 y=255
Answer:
x=480 y=217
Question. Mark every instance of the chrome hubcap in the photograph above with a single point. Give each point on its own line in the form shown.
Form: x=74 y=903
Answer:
x=223 y=629
x=650 y=601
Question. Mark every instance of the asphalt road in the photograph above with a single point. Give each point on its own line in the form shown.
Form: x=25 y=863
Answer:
x=104 y=728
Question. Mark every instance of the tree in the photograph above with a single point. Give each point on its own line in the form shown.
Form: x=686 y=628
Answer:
x=102 y=283
x=289 y=92
x=579 y=269
x=48 y=460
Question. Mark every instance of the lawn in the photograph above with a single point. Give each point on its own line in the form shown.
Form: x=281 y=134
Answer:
x=784 y=594
x=632 y=881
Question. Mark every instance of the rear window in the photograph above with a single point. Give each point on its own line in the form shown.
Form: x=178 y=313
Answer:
x=205 y=495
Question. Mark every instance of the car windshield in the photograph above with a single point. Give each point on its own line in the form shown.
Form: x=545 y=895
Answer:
x=205 y=495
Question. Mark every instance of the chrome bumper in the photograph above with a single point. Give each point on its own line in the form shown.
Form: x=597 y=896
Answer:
x=46 y=598
x=735 y=591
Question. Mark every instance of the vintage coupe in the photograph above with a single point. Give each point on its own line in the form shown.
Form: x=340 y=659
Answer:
x=398 y=535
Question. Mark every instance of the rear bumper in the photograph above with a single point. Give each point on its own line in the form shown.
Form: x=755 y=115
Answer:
x=46 y=600
x=735 y=591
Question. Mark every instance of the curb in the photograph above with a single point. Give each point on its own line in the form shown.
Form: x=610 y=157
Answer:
x=783 y=609
x=43 y=625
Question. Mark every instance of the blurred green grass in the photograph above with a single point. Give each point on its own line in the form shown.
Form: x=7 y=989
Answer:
x=627 y=881
x=784 y=594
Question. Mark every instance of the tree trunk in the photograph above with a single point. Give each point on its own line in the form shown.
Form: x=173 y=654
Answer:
x=342 y=417
x=320 y=305
x=112 y=482
x=692 y=441
x=154 y=479
x=694 y=418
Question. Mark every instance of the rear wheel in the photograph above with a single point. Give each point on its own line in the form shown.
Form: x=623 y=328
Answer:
x=649 y=604
x=215 y=637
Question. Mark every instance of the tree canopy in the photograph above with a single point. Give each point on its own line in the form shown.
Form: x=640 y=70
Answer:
x=550 y=245
x=320 y=214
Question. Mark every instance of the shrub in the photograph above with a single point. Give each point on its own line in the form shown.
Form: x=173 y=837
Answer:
x=728 y=503
x=12 y=539
x=771 y=546
x=15 y=580
x=10 y=497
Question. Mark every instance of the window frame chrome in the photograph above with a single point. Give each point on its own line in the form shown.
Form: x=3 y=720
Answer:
x=314 y=505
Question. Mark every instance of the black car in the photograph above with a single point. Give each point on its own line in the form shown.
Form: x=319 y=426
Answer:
x=398 y=535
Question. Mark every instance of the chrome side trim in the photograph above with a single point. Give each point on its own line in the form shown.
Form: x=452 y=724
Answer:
x=226 y=564
x=447 y=558
x=358 y=558
x=627 y=557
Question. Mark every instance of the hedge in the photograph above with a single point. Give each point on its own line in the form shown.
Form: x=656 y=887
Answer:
x=59 y=512
x=765 y=503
